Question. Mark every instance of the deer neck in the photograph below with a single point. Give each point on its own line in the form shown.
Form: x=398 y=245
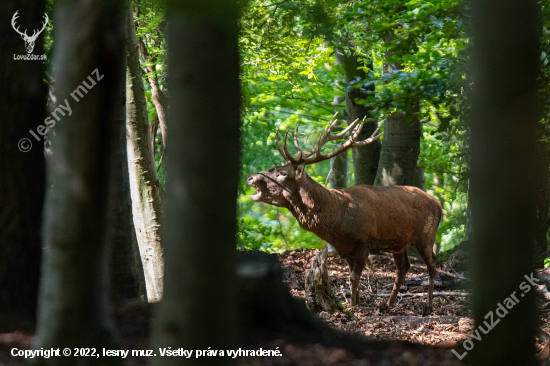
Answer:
x=307 y=202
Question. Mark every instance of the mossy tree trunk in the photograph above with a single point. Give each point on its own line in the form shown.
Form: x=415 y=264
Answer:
x=22 y=179
x=400 y=149
x=144 y=184
x=198 y=309
x=73 y=312
x=401 y=142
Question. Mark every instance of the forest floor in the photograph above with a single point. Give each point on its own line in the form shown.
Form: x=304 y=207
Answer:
x=445 y=329
x=449 y=323
x=364 y=335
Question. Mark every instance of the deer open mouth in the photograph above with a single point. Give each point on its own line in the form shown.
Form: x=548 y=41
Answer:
x=258 y=196
x=259 y=185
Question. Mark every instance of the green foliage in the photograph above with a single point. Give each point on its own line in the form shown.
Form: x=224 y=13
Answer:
x=149 y=18
x=151 y=26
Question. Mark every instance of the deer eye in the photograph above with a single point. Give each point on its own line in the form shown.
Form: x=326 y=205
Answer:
x=281 y=174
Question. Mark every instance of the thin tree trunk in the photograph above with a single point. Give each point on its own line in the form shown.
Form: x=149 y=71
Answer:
x=419 y=180
x=159 y=99
x=198 y=310
x=503 y=120
x=365 y=158
x=144 y=184
x=73 y=310
x=23 y=108
x=339 y=171
x=339 y=164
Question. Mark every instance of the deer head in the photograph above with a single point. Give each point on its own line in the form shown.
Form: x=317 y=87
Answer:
x=277 y=185
x=29 y=40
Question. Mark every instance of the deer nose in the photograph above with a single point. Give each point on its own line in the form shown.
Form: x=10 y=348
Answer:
x=250 y=179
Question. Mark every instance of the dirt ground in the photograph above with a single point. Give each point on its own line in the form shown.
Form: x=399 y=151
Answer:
x=446 y=328
x=368 y=334
x=449 y=322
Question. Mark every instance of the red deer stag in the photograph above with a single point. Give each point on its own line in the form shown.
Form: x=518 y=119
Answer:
x=357 y=219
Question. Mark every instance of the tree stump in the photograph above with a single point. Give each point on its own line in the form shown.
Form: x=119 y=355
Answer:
x=319 y=296
x=264 y=301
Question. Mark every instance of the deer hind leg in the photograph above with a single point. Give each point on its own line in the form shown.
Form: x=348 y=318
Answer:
x=430 y=259
x=402 y=263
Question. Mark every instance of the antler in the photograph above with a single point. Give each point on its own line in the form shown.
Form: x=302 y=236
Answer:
x=314 y=155
x=15 y=16
x=301 y=155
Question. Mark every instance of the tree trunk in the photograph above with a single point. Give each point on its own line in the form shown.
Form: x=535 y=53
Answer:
x=73 y=308
x=339 y=171
x=23 y=108
x=503 y=120
x=144 y=184
x=399 y=153
x=401 y=144
x=198 y=310
x=365 y=158
x=125 y=269
x=543 y=203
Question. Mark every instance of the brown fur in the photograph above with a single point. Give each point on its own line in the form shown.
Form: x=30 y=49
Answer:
x=358 y=219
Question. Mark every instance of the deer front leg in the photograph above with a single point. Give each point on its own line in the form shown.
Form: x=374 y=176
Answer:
x=402 y=263
x=356 y=268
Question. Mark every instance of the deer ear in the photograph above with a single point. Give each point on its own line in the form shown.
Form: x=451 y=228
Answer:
x=300 y=171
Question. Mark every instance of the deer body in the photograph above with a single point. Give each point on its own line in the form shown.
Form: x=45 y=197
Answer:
x=357 y=219
x=382 y=216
